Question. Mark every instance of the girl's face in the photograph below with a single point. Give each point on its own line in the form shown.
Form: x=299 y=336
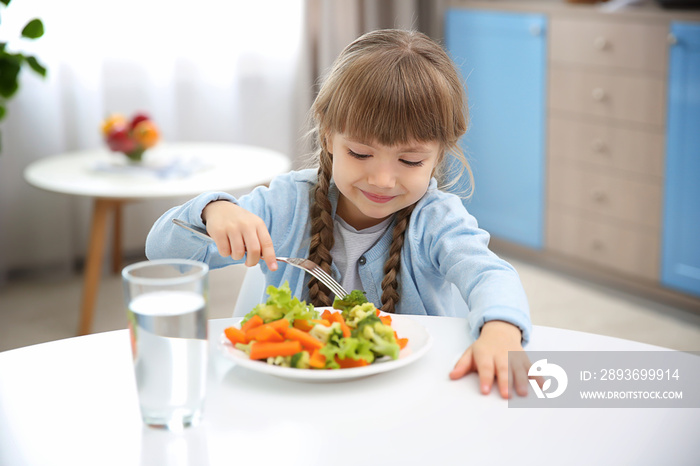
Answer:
x=376 y=180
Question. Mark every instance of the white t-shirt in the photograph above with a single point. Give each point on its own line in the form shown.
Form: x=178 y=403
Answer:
x=349 y=247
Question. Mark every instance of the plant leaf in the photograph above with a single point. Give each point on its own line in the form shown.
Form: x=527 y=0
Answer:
x=6 y=2
x=34 y=29
x=2 y=111
x=36 y=66
x=9 y=69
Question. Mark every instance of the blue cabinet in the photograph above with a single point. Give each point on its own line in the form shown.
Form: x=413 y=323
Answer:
x=502 y=57
x=680 y=268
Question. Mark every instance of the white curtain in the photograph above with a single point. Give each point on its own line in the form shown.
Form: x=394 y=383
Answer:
x=216 y=71
x=207 y=70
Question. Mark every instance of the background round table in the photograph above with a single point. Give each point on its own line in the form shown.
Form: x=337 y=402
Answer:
x=168 y=170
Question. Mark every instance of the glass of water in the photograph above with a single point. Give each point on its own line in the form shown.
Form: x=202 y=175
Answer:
x=167 y=302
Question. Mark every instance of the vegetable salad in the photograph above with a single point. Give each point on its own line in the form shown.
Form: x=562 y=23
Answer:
x=287 y=332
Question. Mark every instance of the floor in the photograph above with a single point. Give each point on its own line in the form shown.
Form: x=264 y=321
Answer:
x=40 y=310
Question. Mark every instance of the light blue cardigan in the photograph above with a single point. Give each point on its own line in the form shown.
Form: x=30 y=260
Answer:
x=443 y=246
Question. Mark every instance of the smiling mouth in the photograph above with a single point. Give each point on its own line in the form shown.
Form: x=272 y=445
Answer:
x=377 y=198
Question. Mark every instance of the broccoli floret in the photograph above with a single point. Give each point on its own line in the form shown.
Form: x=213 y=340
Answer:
x=280 y=304
x=347 y=347
x=282 y=361
x=359 y=312
x=381 y=336
x=268 y=312
x=347 y=302
x=326 y=334
x=244 y=348
x=300 y=360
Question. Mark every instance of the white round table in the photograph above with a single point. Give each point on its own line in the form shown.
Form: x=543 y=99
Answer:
x=75 y=401
x=168 y=170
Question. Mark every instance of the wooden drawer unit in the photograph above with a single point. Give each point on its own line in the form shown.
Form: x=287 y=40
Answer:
x=606 y=195
x=614 y=45
x=616 y=149
x=628 y=97
x=607 y=101
x=624 y=248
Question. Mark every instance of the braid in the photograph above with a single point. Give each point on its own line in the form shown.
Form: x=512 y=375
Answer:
x=390 y=283
x=321 y=230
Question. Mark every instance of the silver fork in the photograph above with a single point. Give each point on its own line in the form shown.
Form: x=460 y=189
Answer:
x=313 y=268
x=304 y=264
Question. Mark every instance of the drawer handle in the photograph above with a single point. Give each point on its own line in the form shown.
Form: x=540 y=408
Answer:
x=597 y=245
x=535 y=30
x=671 y=39
x=599 y=195
x=599 y=146
x=601 y=43
x=598 y=94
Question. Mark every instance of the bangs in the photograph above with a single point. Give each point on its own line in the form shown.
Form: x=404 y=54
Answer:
x=395 y=100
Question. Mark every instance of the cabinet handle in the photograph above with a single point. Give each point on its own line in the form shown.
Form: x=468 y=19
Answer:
x=535 y=30
x=597 y=245
x=601 y=43
x=598 y=94
x=671 y=39
x=599 y=146
x=599 y=195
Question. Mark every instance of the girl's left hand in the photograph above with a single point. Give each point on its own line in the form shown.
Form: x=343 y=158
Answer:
x=488 y=356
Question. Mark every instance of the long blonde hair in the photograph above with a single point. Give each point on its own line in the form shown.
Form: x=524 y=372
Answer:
x=391 y=87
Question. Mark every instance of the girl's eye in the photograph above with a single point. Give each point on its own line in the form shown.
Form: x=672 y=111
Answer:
x=358 y=156
x=412 y=164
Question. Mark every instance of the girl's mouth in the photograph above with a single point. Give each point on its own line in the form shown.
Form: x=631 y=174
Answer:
x=377 y=198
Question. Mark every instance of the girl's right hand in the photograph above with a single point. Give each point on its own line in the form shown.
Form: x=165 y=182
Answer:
x=238 y=233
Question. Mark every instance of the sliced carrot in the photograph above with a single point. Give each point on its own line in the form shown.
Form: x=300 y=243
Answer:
x=386 y=319
x=303 y=324
x=308 y=341
x=260 y=350
x=279 y=324
x=350 y=362
x=326 y=314
x=338 y=317
x=264 y=333
x=253 y=322
x=402 y=342
x=377 y=312
x=317 y=360
x=235 y=335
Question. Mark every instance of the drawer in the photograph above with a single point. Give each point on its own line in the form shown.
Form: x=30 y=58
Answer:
x=620 y=248
x=624 y=45
x=607 y=146
x=623 y=198
x=629 y=97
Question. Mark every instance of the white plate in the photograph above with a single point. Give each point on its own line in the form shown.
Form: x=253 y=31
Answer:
x=419 y=342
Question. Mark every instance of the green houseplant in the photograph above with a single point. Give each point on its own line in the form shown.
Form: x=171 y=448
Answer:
x=11 y=63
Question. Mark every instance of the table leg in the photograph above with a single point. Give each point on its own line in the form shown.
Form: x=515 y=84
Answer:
x=117 y=239
x=93 y=265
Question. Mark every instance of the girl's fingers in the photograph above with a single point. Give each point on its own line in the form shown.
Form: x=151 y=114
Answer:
x=222 y=243
x=503 y=377
x=238 y=246
x=487 y=373
x=267 y=249
x=520 y=380
x=463 y=366
x=252 y=248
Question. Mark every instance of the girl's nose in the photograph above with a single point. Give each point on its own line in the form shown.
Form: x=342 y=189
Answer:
x=382 y=176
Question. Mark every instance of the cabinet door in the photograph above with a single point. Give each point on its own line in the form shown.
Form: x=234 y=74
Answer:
x=502 y=57
x=680 y=267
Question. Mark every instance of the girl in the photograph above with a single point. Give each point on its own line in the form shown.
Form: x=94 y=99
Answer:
x=388 y=118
